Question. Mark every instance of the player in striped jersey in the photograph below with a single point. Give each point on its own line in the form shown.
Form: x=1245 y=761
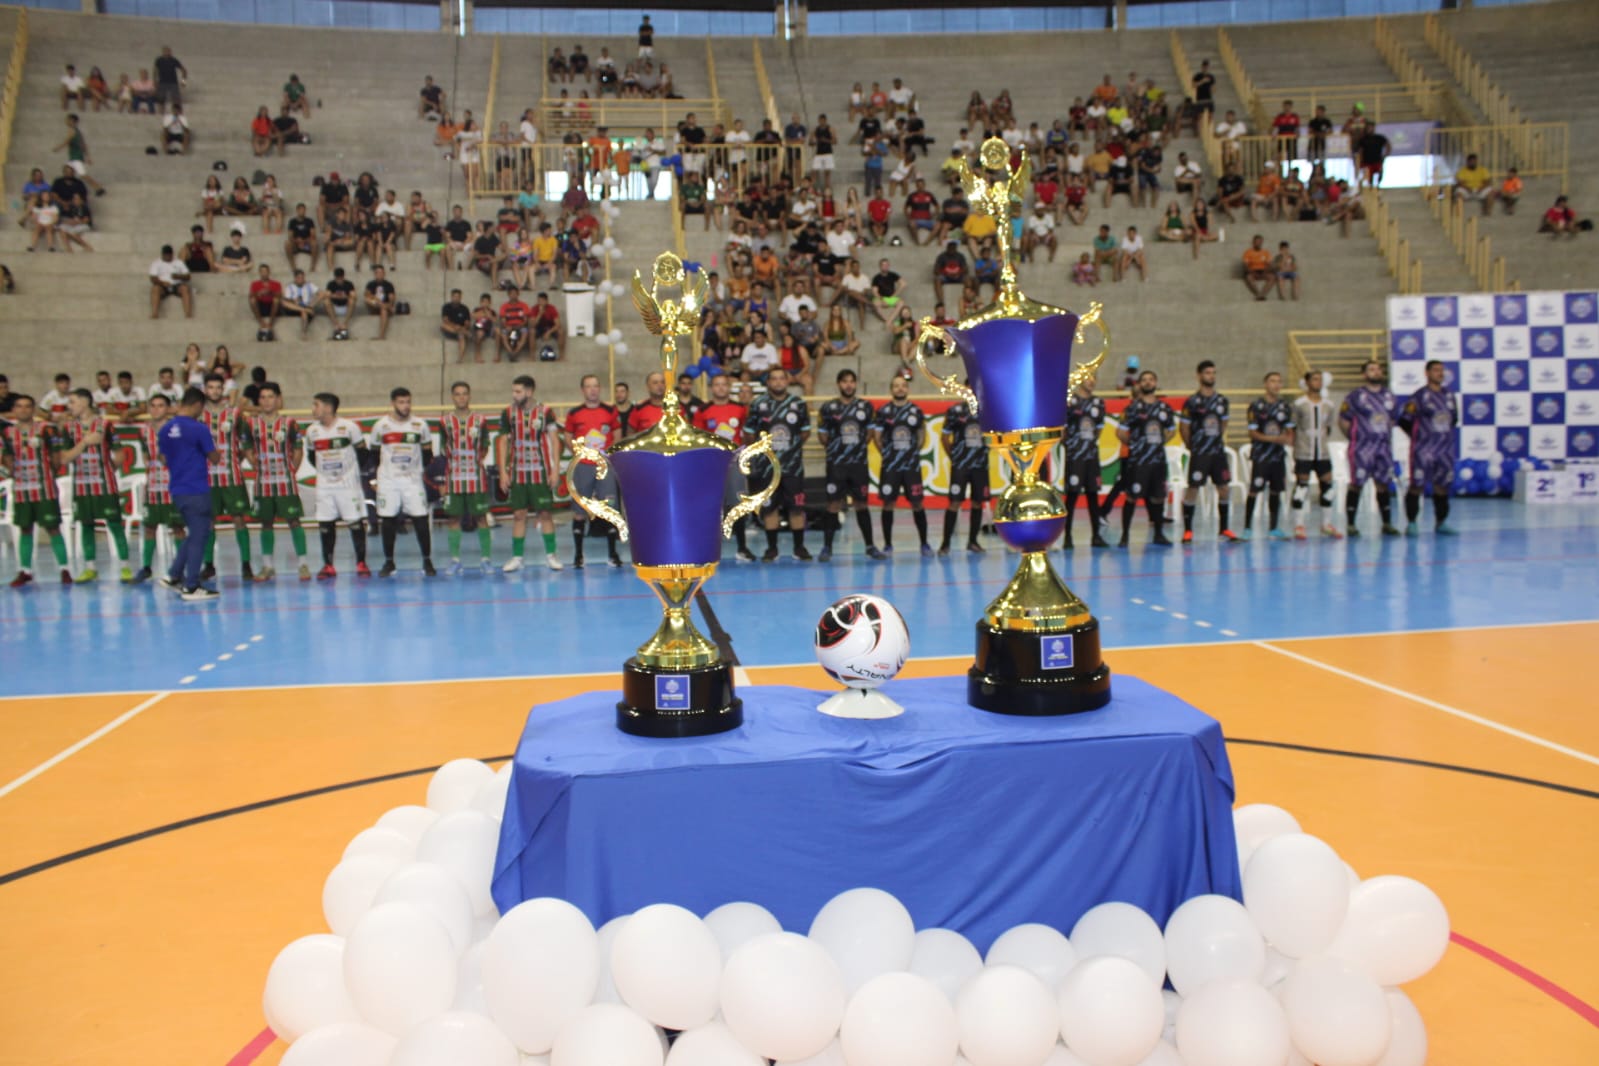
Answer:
x=405 y=447
x=464 y=436
x=95 y=494
x=158 y=507
x=525 y=453
x=278 y=451
x=1271 y=434
x=332 y=443
x=26 y=447
x=231 y=433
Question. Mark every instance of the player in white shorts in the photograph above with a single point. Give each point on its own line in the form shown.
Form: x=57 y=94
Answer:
x=331 y=443
x=404 y=446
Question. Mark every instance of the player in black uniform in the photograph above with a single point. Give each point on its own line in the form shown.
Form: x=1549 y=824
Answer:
x=900 y=431
x=788 y=420
x=845 y=427
x=1203 y=425
x=1085 y=418
x=1271 y=434
x=1147 y=424
x=968 y=473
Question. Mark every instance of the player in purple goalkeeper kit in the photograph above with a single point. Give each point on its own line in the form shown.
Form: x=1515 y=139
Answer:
x=1430 y=417
x=1367 y=418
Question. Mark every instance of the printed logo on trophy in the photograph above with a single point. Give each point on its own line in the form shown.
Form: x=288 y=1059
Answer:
x=1057 y=653
x=671 y=692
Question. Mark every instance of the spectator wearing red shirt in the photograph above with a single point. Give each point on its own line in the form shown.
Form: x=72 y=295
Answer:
x=878 y=211
x=514 y=333
x=921 y=209
x=547 y=326
x=264 y=133
x=1075 y=199
x=1286 y=128
x=585 y=225
x=1046 y=192
x=1560 y=219
x=266 y=300
x=644 y=417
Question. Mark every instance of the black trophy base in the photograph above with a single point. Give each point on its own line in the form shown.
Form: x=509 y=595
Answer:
x=657 y=702
x=1038 y=674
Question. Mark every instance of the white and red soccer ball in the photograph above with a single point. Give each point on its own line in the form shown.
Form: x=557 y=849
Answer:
x=861 y=641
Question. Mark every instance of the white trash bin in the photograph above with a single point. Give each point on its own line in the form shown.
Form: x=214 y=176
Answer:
x=579 y=309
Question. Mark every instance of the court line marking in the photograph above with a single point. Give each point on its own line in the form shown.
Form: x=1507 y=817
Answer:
x=1584 y=1010
x=1476 y=719
x=252 y=1051
x=69 y=752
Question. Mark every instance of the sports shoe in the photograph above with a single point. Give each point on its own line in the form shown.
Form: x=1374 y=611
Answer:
x=1188 y=536
x=826 y=556
x=427 y=568
x=487 y=567
x=245 y=573
x=976 y=548
x=127 y=575
x=1412 y=530
x=86 y=576
x=200 y=594
x=769 y=555
x=1277 y=534
x=1300 y=534
x=1446 y=531
x=577 y=563
x=1352 y=532
x=207 y=572
x=745 y=555
x=1123 y=542
x=927 y=550
x=267 y=574
x=1067 y=544
x=802 y=553
x=943 y=551
x=66 y=576
x=388 y=568
x=1390 y=530
x=1162 y=539
x=554 y=563
x=1247 y=534
x=170 y=584
x=362 y=570
x=614 y=561
x=305 y=572
x=22 y=578
x=874 y=552
x=1229 y=535
x=327 y=573
x=1331 y=531
x=512 y=565
x=455 y=568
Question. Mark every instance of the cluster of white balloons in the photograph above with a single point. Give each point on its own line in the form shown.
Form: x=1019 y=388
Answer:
x=614 y=340
x=604 y=290
x=420 y=971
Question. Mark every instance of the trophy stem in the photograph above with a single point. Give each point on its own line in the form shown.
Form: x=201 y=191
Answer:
x=676 y=644
x=1036 y=600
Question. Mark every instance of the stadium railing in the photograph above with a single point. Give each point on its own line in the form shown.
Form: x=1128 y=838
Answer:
x=1480 y=89
x=1207 y=127
x=1438 y=101
x=13 y=83
x=1244 y=88
x=1395 y=250
x=1487 y=272
x=1339 y=352
x=764 y=84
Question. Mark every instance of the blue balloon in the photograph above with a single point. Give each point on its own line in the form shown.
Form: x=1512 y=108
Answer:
x=706 y=362
x=693 y=371
x=715 y=372
x=692 y=268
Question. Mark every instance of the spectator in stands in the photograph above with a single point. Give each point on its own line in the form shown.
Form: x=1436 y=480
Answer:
x=1204 y=85
x=1106 y=252
x=1074 y=199
x=455 y=322
x=175 y=131
x=1268 y=193
x=302 y=238
x=1149 y=160
x=380 y=300
x=1294 y=198
x=902 y=332
x=1174 y=227
x=1346 y=209
x=513 y=316
x=1510 y=191
x=1286 y=269
x=888 y=290
x=301 y=297
x=488 y=254
x=1188 y=177
x=1561 y=219
x=341 y=236
x=235 y=258
x=143 y=89
x=264 y=135
x=1319 y=127
x=270 y=203
x=32 y=189
x=921 y=209
x=199 y=255
x=1231 y=132
x=822 y=141
x=1371 y=151
x=1473 y=182
x=578 y=62
x=1085 y=272
x=77 y=149
x=559 y=69
x=124 y=95
x=339 y=299
x=1285 y=130
x=295 y=97
x=241 y=199
x=1230 y=193
x=73 y=89
x=1039 y=233
x=1120 y=179
x=73 y=224
x=949 y=268
x=44 y=217
x=170 y=77
x=1200 y=230
x=855 y=291
x=1131 y=254
x=266 y=302
x=169 y=277
x=547 y=331
x=1259 y=275
x=469 y=151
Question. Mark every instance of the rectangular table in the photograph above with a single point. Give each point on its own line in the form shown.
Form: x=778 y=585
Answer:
x=976 y=821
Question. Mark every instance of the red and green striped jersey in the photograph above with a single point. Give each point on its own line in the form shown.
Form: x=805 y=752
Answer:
x=230 y=432
x=28 y=450
x=528 y=428
x=463 y=438
x=93 y=471
x=275 y=441
x=157 y=478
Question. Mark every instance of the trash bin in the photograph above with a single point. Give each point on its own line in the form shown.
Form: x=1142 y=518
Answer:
x=579 y=309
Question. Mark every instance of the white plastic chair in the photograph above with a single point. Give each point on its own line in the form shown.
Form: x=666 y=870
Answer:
x=1176 y=476
x=69 y=521
x=5 y=514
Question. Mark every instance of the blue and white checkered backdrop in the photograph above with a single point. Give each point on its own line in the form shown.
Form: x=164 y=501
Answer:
x=1526 y=366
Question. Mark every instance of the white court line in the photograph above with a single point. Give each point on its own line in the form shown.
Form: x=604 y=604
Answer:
x=1476 y=719
x=67 y=753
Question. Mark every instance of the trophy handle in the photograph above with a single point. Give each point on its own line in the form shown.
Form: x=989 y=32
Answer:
x=748 y=505
x=602 y=469
x=1083 y=371
x=949 y=386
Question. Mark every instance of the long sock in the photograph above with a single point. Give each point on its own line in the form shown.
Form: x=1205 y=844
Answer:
x=798 y=534
x=269 y=540
x=771 y=540
x=741 y=535
x=210 y=557
x=330 y=540
x=579 y=529
x=1301 y=493
x=1249 y=511
x=25 y=551
x=1351 y=503
x=1274 y=508
x=1326 y=500
x=610 y=544
x=86 y=538
x=58 y=548
x=485 y=542
x=1188 y=518
x=1093 y=511
x=1071 y=513
x=1157 y=511
x=119 y=537
x=1224 y=514
x=148 y=549
x=549 y=542
x=1412 y=506
x=390 y=531
x=1129 y=509
x=951 y=516
x=1115 y=493
x=452 y=538
x=1385 y=505
x=518 y=546
x=829 y=531
x=358 y=538
x=920 y=518
x=424 y=536
x=863 y=518
x=1440 y=509
x=297 y=538
x=887 y=521
x=241 y=537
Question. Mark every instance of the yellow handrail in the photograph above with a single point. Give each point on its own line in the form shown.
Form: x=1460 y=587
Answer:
x=1433 y=99
x=764 y=85
x=487 y=126
x=1487 y=272
x=710 y=73
x=627 y=114
x=1241 y=83
x=1535 y=149
x=13 y=85
x=1340 y=351
x=1207 y=128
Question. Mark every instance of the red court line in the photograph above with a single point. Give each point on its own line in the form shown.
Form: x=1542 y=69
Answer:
x=252 y=1051
x=1586 y=1011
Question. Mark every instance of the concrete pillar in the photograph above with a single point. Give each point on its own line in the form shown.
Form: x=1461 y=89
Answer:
x=91 y=7
x=801 y=16
x=1121 y=14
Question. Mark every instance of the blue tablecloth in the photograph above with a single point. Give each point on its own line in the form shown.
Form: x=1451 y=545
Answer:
x=976 y=821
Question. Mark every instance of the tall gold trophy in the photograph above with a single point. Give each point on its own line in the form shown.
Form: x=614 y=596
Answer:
x=1037 y=644
x=671 y=478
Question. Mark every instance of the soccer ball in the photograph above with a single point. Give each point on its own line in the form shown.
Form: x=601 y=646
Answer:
x=861 y=641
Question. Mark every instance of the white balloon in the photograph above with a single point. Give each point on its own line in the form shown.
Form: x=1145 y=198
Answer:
x=668 y=966
x=540 y=969
x=387 y=843
x=1230 y=1022
x=1060 y=1055
x=1111 y=1013
x=867 y=931
x=734 y=923
x=340 y=1044
x=616 y=253
x=1326 y=381
x=945 y=958
x=1007 y=1017
x=1396 y=931
x=400 y=967
x=711 y=1045
x=604 y=340
x=1296 y=891
x=1125 y=931
x=899 y=1019
x=305 y=988
x=490 y=796
x=410 y=819
x=435 y=890
x=453 y=785
x=464 y=843
x=1256 y=823
x=469 y=981
x=1171 y=1002
x=1278 y=967
x=605 y=991
x=1408 y=1046
x=601 y=298
x=1337 y=1016
x=1211 y=937
x=1039 y=948
x=607 y=1034
x=1163 y=1055
x=831 y=1055
x=350 y=888
x=457 y=1038
x=615 y=335
x=621 y=347
x=782 y=996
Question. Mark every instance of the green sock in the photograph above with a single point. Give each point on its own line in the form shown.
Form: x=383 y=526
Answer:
x=518 y=546
x=241 y=537
x=25 y=551
x=150 y=536
x=119 y=537
x=211 y=548
x=549 y=544
x=485 y=541
x=87 y=537
x=453 y=537
x=269 y=540
x=58 y=547
x=297 y=535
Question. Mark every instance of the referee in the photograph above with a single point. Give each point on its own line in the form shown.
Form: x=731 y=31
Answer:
x=188 y=448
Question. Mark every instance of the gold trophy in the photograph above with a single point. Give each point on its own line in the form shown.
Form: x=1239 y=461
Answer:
x=671 y=478
x=1037 y=643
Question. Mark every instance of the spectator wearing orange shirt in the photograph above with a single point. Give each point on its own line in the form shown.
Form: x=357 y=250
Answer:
x=599 y=151
x=1268 y=193
x=1259 y=277
x=1510 y=191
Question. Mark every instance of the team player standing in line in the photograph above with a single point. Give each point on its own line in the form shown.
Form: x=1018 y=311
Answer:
x=597 y=425
x=968 y=475
x=405 y=446
x=844 y=425
x=1367 y=418
x=788 y=420
x=333 y=443
x=899 y=430
x=1203 y=426
x=96 y=496
x=1085 y=420
x=1271 y=432
x=277 y=455
x=230 y=434
x=1147 y=424
x=726 y=418
x=526 y=457
x=464 y=438
x=159 y=509
x=1313 y=422
x=1430 y=417
x=27 y=447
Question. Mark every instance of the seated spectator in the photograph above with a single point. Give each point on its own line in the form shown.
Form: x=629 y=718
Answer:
x=302 y=237
x=1074 y=199
x=1347 y=208
x=1231 y=132
x=839 y=334
x=73 y=89
x=1230 y=193
x=199 y=255
x=1259 y=275
x=303 y=298
x=514 y=316
x=986 y=267
x=692 y=193
x=488 y=254
x=1295 y=199
x=1561 y=219
x=855 y=291
x=455 y=322
x=605 y=73
x=1147 y=162
x=270 y=203
x=444 y=133
x=1200 y=230
x=1473 y=182
x=902 y=333
x=175 y=131
x=380 y=300
x=241 y=199
x=266 y=302
x=340 y=237
x=578 y=61
x=758 y=356
x=1510 y=191
x=124 y=95
x=796 y=302
x=288 y=131
x=235 y=258
x=1121 y=180
x=264 y=135
x=547 y=331
x=1039 y=233
x=339 y=299
x=45 y=216
x=485 y=326
x=1286 y=269
x=1187 y=177
x=213 y=200
x=295 y=97
x=1173 y=227
x=888 y=291
x=169 y=277
x=98 y=92
x=1106 y=251
x=459 y=232
x=1132 y=255
x=559 y=69
x=901 y=100
x=1085 y=272
x=1268 y=193
x=979 y=229
x=35 y=186
x=143 y=89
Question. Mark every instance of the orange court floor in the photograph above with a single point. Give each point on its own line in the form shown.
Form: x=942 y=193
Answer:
x=149 y=876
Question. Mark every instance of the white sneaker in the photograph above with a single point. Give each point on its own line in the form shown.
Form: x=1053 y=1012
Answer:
x=513 y=566
x=553 y=563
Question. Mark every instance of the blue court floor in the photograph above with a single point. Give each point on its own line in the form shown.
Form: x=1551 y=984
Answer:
x=1509 y=565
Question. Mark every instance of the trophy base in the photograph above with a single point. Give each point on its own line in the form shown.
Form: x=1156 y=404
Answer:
x=1038 y=674
x=696 y=702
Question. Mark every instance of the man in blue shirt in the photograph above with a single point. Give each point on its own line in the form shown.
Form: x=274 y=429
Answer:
x=187 y=447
